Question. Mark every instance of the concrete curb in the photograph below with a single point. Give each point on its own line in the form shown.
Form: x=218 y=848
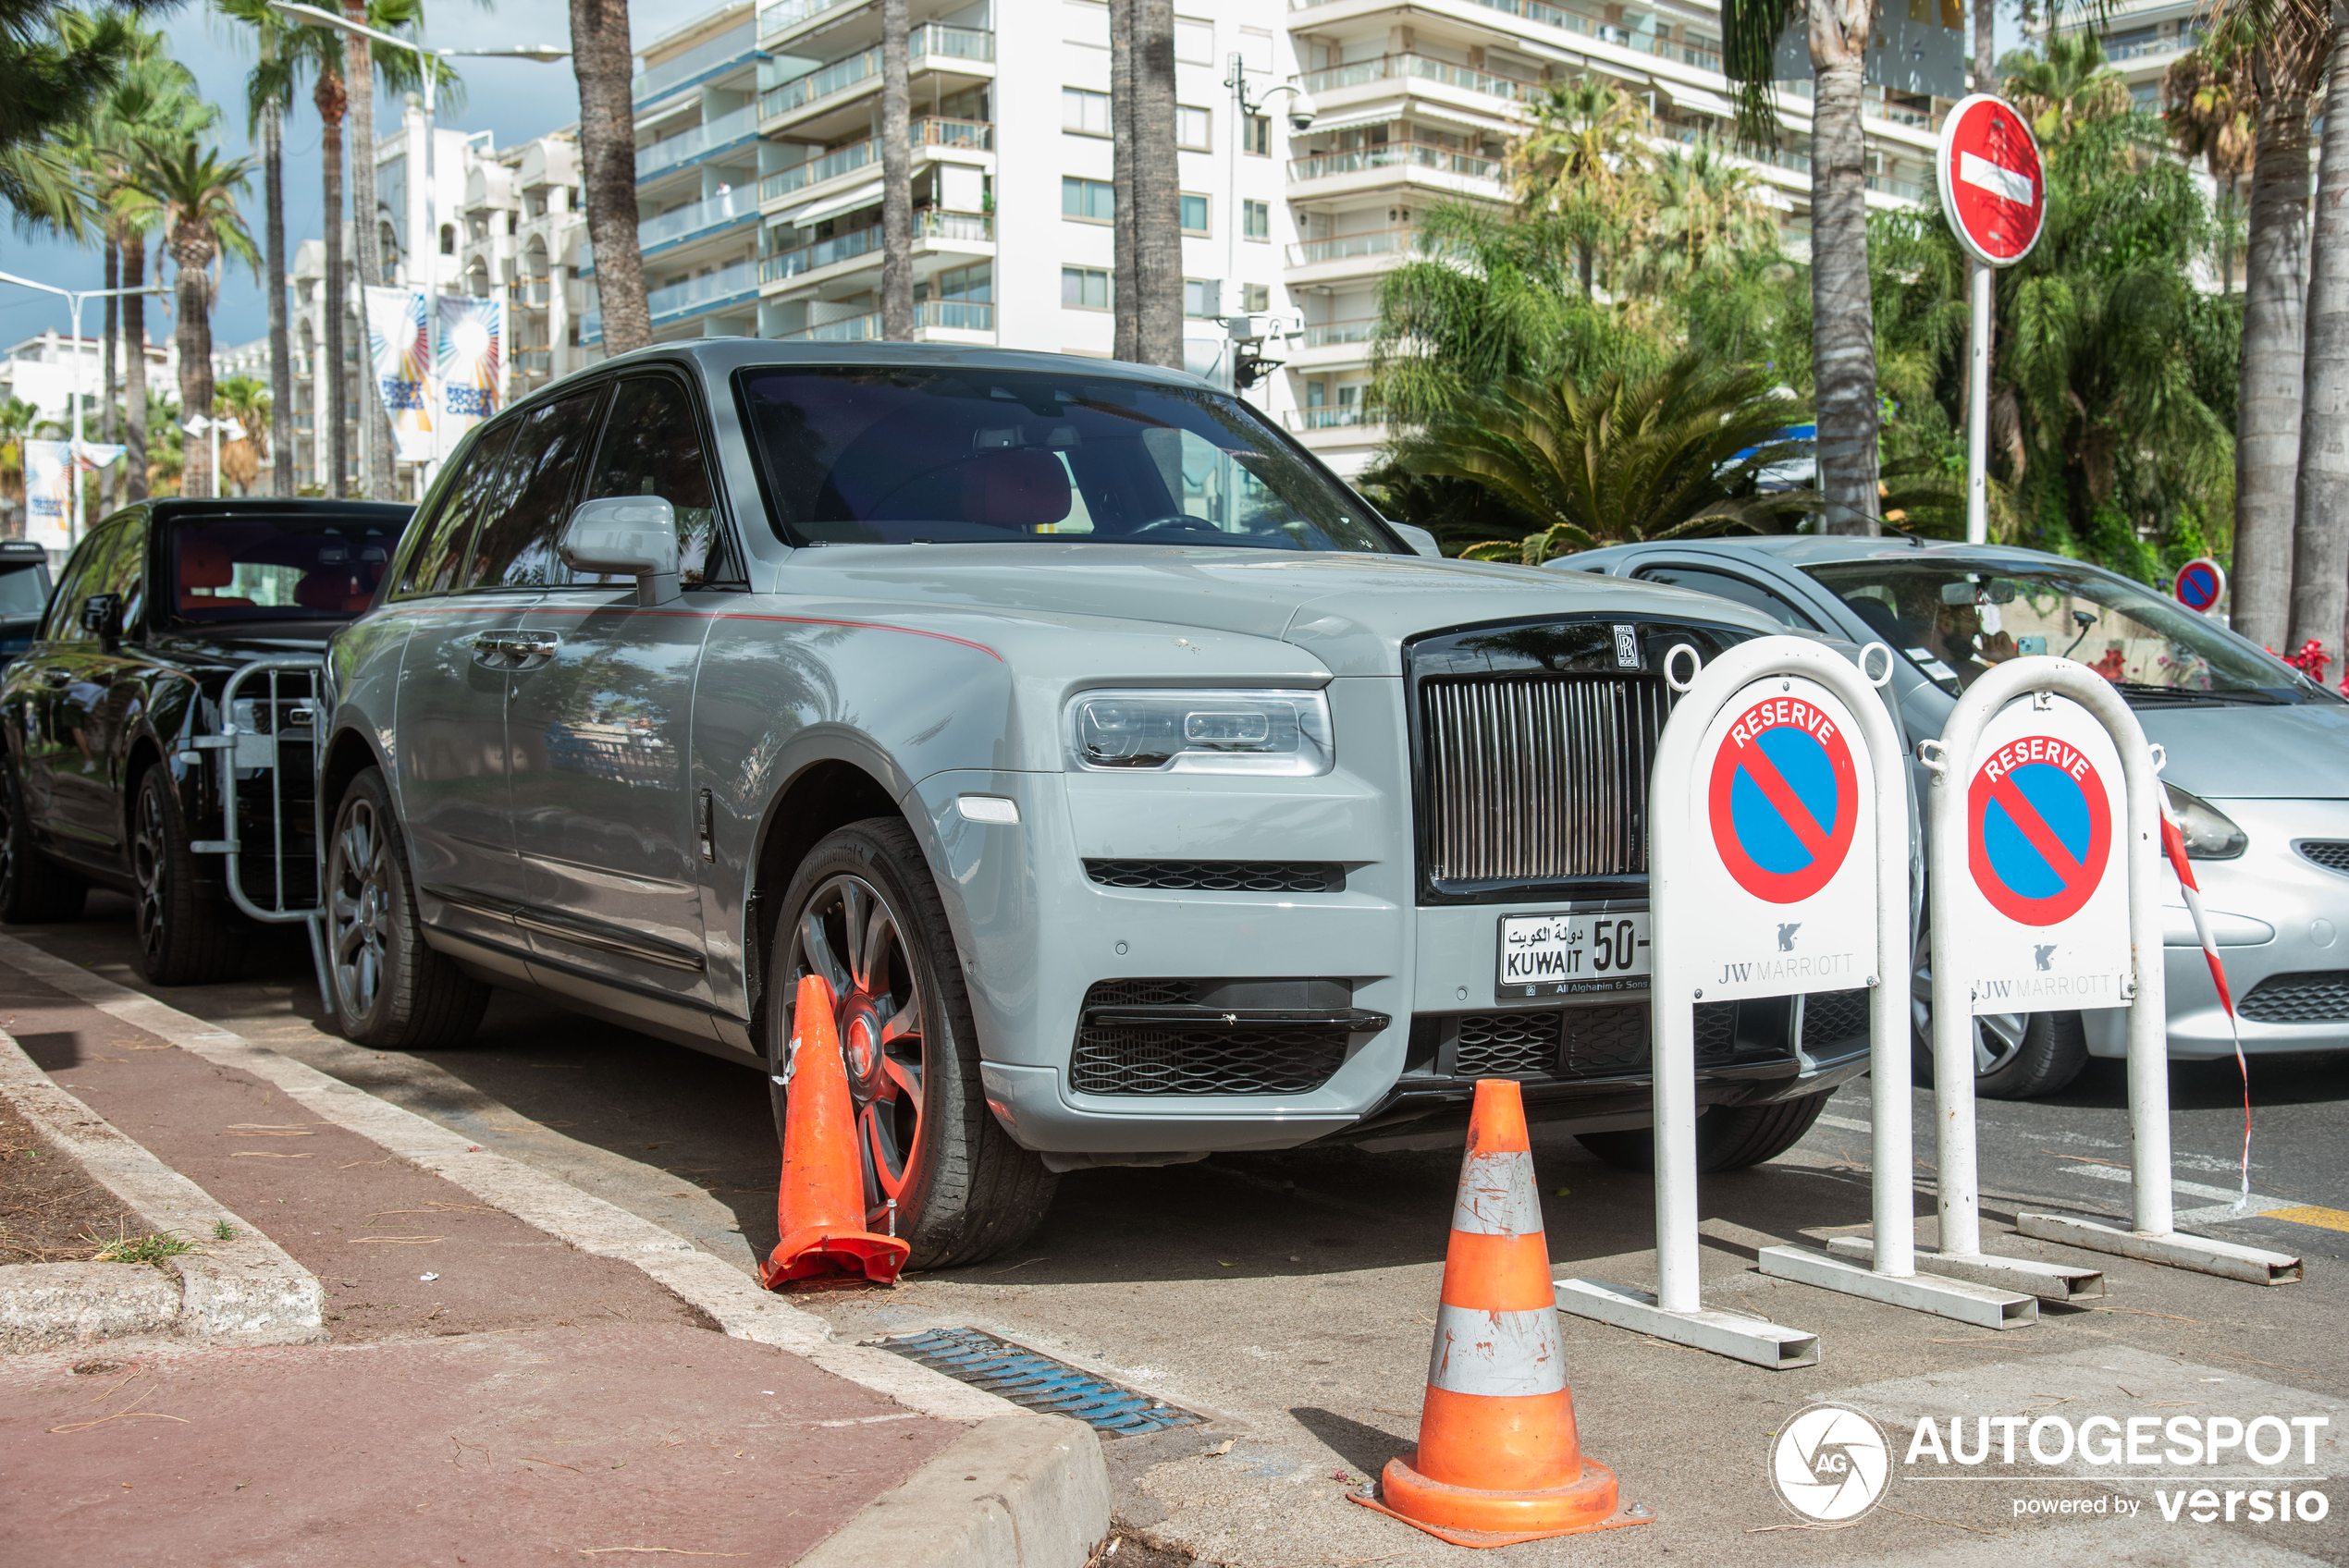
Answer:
x=245 y=1290
x=1037 y=1496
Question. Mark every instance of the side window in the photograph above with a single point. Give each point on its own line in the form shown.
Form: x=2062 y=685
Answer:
x=1723 y=585
x=85 y=574
x=652 y=447
x=515 y=545
x=437 y=563
x=126 y=571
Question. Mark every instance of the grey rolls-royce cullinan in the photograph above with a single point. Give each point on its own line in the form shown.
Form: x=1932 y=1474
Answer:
x=1141 y=793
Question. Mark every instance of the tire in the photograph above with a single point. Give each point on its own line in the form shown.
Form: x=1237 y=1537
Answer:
x=187 y=934
x=965 y=1192
x=392 y=992
x=1729 y=1137
x=34 y=889
x=2031 y=1054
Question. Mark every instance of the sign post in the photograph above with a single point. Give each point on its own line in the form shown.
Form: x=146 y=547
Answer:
x=2044 y=869
x=1993 y=192
x=1778 y=866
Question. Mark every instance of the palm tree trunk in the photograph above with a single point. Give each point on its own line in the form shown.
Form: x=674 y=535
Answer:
x=602 y=60
x=2321 y=536
x=1843 y=325
x=106 y=366
x=195 y=371
x=328 y=380
x=2267 y=403
x=134 y=369
x=1986 y=46
x=366 y=245
x=897 y=176
x=1158 y=218
x=273 y=174
x=1125 y=296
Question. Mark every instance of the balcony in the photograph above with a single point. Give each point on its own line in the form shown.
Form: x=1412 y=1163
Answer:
x=955 y=315
x=1400 y=154
x=933 y=223
x=672 y=151
x=726 y=208
x=776 y=20
x=677 y=70
x=1390 y=67
x=977 y=135
x=932 y=43
x=786 y=265
x=738 y=281
x=1329 y=334
x=2137 y=48
x=1906 y=190
x=1343 y=416
x=1637 y=30
x=1347 y=247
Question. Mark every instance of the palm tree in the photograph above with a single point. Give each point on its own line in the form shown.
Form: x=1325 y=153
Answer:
x=323 y=49
x=246 y=400
x=1149 y=239
x=2320 y=530
x=897 y=173
x=367 y=242
x=1670 y=456
x=1584 y=161
x=56 y=65
x=601 y=59
x=269 y=95
x=1843 y=322
x=1704 y=218
x=2210 y=118
x=197 y=189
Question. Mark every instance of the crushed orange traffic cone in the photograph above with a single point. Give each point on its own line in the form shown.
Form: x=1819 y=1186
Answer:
x=1498 y=1461
x=821 y=1208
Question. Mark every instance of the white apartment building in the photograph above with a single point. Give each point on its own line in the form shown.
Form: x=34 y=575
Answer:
x=46 y=371
x=758 y=162
x=2142 y=39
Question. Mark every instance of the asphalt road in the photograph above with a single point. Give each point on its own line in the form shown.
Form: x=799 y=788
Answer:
x=1288 y=1298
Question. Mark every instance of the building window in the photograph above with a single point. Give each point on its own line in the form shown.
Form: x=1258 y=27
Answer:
x=448 y=238
x=1085 y=113
x=1194 y=41
x=1193 y=211
x=1256 y=220
x=1203 y=297
x=976 y=281
x=1256 y=135
x=1256 y=298
x=1085 y=288
x=1089 y=200
x=1194 y=129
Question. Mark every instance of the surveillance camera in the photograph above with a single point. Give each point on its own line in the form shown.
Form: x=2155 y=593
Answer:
x=1301 y=114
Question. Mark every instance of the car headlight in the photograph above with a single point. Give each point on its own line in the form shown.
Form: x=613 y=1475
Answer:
x=1285 y=734
x=2208 y=832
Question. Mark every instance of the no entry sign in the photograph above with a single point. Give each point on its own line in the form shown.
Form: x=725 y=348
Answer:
x=2200 y=584
x=1993 y=187
x=1780 y=805
x=2049 y=931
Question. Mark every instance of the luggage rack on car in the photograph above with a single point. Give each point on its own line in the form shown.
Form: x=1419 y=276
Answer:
x=256 y=734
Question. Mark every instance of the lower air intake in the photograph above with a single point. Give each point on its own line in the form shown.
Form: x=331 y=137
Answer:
x=2315 y=997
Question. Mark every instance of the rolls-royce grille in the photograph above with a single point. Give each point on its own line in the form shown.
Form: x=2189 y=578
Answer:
x=2312 y=996
x=1220 y=875
x=1533 y=779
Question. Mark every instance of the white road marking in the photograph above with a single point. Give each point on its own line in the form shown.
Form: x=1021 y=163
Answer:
x=1846 y=1123
x=2226 y=1196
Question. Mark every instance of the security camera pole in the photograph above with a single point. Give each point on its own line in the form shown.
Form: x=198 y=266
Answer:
x=1301 y=111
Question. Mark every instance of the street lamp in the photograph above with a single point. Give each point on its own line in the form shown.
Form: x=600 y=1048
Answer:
x=73 y=300
x=1301 y=113
x=203 y=424
x=543 y=54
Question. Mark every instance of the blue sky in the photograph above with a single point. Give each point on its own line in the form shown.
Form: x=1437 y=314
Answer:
x=515 y=99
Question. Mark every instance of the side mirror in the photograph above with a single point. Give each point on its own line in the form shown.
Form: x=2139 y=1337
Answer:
x=101 y=613
x=1419 y=539
x=625 y=536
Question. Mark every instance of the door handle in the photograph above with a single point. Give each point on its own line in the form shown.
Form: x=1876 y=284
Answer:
x=513 y=650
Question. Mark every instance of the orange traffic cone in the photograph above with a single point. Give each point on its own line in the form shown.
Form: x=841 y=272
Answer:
x=1498 y=1461
x=821 y=1208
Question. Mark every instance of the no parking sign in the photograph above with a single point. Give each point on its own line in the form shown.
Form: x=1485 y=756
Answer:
x=2050 y=932
x=1788 y=872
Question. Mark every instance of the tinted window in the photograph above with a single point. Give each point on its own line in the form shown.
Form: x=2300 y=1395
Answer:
x=438 y=564
x=515 y=545
x=84 y=571
x=23 y=590
x=1722 y=586
x=125 y=573
x=903 y=456
x=652 y=447
x=302 y=567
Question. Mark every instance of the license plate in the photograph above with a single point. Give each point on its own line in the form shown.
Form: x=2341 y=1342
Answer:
x=1571 y=955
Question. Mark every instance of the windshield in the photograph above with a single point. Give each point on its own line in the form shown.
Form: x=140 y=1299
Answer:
x=919 y=457
x=278 y=567
x=1954 y=618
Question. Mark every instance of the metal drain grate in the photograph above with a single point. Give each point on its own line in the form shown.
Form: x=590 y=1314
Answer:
x=1039 y=1383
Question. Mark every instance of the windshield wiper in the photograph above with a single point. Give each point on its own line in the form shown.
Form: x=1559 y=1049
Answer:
x=2142 y=692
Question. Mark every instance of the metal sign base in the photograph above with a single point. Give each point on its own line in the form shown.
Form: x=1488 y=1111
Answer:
x=1981 y=1306
x=2049 y=1282
x=1722 y=1333
x=2229 y=1261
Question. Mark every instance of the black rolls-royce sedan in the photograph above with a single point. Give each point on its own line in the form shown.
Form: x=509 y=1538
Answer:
x=110 y=719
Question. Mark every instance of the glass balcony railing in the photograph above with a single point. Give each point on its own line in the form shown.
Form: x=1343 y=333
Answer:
x=1399 y=155
x=934 y=224
x=711 y=212
x=591 y=326
x=1636 y=31
x=681 y=69
x=1907 y=189
x=1419 y=65
x=1347 y=247
x=671 y=150
x=698 y=293
x=1329 y=334
x=2135 y=48
x=1343 y=416
x=955 y=315
x=975 y=135
x=776 y=20
x=822 y=253
x=934 y=44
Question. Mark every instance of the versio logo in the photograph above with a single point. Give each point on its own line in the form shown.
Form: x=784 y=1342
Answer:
x=1830 y=1463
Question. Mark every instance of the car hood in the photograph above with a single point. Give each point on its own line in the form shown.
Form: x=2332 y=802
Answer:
x=1351 y=611
x=2298 y=751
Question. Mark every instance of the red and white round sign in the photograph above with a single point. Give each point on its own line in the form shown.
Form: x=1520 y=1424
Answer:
x=1993 y=187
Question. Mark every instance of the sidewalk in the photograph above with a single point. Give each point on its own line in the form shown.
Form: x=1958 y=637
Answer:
x=489 y=1394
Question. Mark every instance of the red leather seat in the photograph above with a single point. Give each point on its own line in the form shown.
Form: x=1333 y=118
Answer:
x=205 y=563
x=1016 y=487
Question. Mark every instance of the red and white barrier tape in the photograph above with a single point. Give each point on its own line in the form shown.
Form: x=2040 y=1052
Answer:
x=2173 y=843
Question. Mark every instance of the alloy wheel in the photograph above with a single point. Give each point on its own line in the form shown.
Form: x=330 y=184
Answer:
x=849 y=933
x=150 y=861
x=357 y=901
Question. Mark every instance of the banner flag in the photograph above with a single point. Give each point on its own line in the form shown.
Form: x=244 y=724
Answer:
x=472 y=364
x=399 y=344
x=48 y=494
x=96 y=454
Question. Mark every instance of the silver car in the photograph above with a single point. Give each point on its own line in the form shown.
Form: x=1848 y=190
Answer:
x=1139 y=792
x=2257 y=761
